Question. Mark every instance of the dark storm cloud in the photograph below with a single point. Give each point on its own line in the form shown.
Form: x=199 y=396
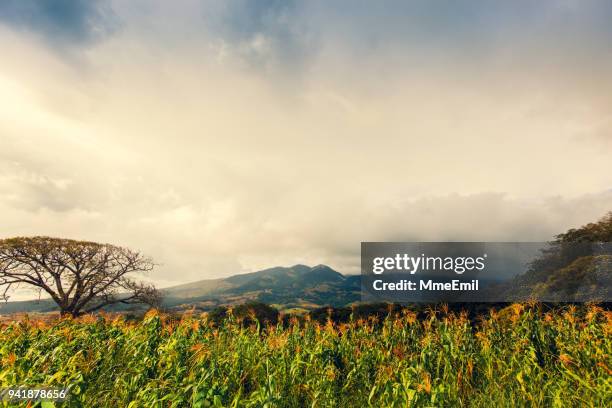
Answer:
x=244 y=18
x=466 y=29
x=267 y=32
x=60 y=22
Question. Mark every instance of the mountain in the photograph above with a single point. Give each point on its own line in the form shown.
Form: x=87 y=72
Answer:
x=298 y=286
x=576 y=266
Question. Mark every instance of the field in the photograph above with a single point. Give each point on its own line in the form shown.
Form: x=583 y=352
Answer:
x=520 y=355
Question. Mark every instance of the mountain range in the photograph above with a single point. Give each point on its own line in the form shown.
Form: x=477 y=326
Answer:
x=294 y=288
x=570 y=269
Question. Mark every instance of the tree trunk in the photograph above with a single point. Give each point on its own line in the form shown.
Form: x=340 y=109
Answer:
x=69 y=313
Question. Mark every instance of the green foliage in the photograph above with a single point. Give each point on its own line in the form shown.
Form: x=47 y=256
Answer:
x=521 y=356
x=600 y=231
x=570 y=246
x=572 y=268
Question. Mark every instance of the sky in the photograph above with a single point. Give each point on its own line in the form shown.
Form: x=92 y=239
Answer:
x=226 y=137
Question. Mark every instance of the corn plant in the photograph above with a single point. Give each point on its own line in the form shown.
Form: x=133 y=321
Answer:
x=519 y=356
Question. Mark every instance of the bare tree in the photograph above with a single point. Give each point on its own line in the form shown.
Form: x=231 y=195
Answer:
x=81 y=277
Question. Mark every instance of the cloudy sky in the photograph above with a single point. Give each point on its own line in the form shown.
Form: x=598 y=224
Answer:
x=227 y=136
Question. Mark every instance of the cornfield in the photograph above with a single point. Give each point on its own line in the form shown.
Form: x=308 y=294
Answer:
x=520 y=356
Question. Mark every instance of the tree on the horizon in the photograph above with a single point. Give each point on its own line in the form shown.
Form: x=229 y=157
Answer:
x=572 y=245
x=80 y=276
x=600 y=231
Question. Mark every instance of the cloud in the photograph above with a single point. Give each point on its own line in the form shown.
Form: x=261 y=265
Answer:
x=60 y=22
x=418 y=32
x=225 y=137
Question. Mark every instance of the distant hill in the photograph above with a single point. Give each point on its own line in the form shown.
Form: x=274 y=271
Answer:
x=571 y=269
x=295 y=287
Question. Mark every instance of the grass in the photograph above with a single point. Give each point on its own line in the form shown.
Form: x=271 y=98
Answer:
x=520 y=356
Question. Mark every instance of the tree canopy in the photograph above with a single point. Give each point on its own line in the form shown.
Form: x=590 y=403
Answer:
x=80 y=276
